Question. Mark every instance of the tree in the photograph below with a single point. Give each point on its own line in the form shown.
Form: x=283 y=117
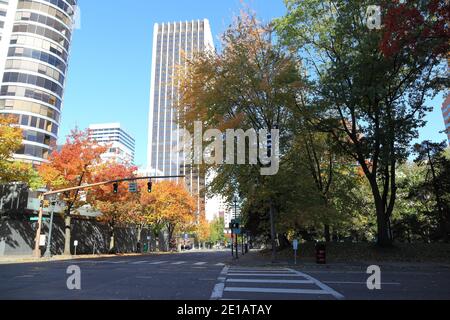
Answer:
x=10 y=142
x=371 y=104
x=437 y=180
x=72 y=166
x=246 y=86
x=203 y=230
x=116 y=208
x=217 y=231
x=170 y=207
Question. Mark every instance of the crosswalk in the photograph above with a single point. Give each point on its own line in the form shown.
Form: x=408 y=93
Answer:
x=198 y=264
x=238 y=283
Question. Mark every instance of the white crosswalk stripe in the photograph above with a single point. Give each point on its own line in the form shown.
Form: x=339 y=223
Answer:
x=237 y=283
x=178 y=263
x=158 y=262
x=200 y=263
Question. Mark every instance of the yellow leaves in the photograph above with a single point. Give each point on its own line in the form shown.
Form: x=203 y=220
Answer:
x=170 y=203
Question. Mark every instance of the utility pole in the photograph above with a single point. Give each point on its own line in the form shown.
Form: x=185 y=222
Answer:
x=48 y=253
x=272 y=231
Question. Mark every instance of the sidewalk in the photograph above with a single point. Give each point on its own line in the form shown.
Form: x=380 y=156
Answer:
x=31 y=259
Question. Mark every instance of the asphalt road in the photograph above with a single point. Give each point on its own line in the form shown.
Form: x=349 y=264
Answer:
x=210 y=275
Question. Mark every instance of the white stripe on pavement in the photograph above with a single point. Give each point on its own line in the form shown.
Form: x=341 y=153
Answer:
x=275 y=290
x=362 y=283
x=178 y=262
x=199 y=263
x=220 y=286
x=158 y=262
x=270 y=281
x=139 y=262
x=264 y=274
x=321 y=285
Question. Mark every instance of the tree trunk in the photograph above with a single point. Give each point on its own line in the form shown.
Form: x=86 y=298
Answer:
x=67 y=234
x=384 y=235
x=139 y=238
x=327 y=233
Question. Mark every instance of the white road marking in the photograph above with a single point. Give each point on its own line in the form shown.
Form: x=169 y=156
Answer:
x=270 y=281
x=220 y=264
x=178 y=263
x=158 y=262
x=264 y=274
x=139 y=262
x=321 y=285
x=362 y=283
x=220 y=286
x=275 y=290
x=199 y=263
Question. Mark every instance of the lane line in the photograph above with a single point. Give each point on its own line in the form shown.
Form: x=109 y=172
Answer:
x=275 y=290
x=199 y=263
x=270 y=281
x=178 y=263
x=220 y=264
x=264 y=274
x=220 y=286
x=158 y=262
x=139 y=262
x=363 y=283
x=321 y=285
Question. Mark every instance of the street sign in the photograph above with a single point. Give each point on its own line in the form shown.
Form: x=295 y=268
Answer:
x=237 y=231
x=75 y=243
x=132 y=187
x=42 y=240
x=295 y=244
x=37 y=219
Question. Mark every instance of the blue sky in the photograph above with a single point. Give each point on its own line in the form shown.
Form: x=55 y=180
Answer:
x=109 y=73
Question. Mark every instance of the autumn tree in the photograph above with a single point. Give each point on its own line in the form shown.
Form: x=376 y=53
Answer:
x=248 y=85
x=169 y=207
x=371 y=104
x=10 y=142
x=203 y=230
x=116 y=208
x=72 y=166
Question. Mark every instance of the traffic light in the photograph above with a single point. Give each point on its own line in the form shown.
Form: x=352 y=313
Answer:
x=149 y=187
x=116 y=187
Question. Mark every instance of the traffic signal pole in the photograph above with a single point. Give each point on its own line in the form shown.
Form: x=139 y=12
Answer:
x=37 y=250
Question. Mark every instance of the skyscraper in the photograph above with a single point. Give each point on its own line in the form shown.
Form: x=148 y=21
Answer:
x=121 y=144
x=34 y=48
x=170 y=42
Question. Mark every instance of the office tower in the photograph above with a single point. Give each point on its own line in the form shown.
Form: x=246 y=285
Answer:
x=170 y=42
x=446 y=114
x=34 y=48
x=121 y=144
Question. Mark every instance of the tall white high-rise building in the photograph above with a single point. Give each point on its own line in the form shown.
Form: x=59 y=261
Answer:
x=170 y=42
x=35 y=38
x=121 y=144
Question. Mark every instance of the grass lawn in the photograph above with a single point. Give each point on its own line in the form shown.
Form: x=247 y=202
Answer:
x=364 y=252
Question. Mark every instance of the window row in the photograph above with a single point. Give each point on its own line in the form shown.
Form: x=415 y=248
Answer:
x=42 y=31
x=33 y=151
x=35 y=67
x=33 y=80
x=36 y=122
x=38 y=55
x=46 y=45
x=50 y=22
x=38 y=137
x=59 y=3
x=27 y=106
x=35 y=94
x=51 y=11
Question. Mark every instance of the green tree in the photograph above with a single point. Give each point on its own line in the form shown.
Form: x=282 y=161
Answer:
x=372 y=104
x=217 y=231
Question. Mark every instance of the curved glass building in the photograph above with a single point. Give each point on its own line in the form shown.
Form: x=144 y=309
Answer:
x=35 y=38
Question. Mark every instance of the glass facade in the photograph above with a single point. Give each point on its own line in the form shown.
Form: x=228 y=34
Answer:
x=171 y=41
x=34 y=66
